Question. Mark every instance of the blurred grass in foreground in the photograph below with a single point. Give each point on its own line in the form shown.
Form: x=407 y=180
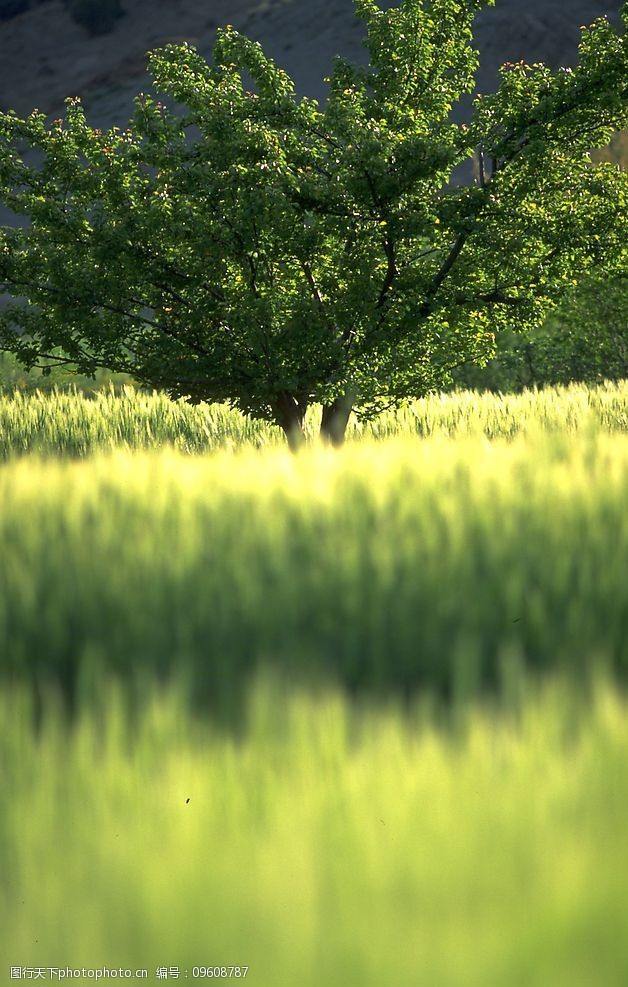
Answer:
x=329 y=844
x=391 y=566
x=72 y=425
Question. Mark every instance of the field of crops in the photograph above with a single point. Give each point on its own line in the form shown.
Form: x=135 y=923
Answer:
x=348 y=717
x=327 y=846
x=64 y=424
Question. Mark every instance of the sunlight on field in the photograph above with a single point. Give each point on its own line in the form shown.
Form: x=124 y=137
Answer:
x=65 y=424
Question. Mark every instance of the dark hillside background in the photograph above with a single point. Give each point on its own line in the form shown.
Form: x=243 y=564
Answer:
x=46 y=56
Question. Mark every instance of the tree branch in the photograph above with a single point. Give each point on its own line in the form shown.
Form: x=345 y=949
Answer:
x=571 y=103
x=307 y=270
x=496 y=297
x=391 y=272
x=426 y=308
x=114 y=309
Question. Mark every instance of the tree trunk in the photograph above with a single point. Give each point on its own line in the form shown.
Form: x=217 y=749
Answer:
x=289 y=414
x=335 y=419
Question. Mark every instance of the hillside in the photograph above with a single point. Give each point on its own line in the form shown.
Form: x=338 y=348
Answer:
x=45 y=56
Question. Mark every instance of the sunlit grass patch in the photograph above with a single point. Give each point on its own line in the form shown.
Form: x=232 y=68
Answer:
x=71 y=425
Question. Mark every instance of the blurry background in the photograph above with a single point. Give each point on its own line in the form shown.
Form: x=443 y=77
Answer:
x=51 y=49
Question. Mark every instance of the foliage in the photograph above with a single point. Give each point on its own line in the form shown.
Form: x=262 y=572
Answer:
x=14 y=376
x=62 y=424
x=585 y=339
x=404 y=565
x=616 y=151
x=257 y=249
x=97 y=16
x=310 y=848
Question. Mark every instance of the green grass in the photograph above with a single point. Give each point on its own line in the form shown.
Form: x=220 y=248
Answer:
x=328 y=845
x=389 y=680
x=72 y=425
x=395 y=565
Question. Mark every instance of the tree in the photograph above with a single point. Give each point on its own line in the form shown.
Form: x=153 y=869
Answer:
x=585 y=339
x=255 y=248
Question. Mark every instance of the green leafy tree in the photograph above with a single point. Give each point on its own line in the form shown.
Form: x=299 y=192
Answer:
x=258 y=249
x=585 y=339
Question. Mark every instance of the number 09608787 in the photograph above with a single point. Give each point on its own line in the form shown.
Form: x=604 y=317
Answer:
x=220 y=972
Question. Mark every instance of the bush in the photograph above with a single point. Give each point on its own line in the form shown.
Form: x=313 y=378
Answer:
x=96 y=16
x=15 y=377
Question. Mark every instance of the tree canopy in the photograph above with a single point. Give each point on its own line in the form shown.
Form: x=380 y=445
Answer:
x=240 y=243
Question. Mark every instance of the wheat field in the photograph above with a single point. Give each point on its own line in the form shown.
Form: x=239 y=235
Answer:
x=350 y=717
